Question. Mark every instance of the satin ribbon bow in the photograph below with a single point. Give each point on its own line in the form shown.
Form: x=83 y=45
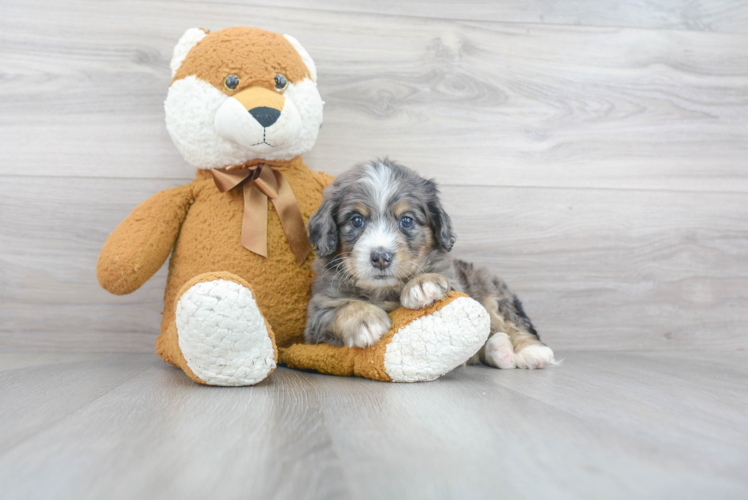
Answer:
x=260 y=182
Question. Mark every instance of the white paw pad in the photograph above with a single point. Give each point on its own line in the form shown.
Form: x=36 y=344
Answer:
x=422 y=294
x=223 y=335
x=368 y=334
x=499 y=352
x=534 y=357
x=433 y=345
x=431 y=293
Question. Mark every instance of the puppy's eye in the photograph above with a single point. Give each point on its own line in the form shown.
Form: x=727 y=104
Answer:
x=280 y=82
x=406 y=222
x=357 y=221
x=231 y=82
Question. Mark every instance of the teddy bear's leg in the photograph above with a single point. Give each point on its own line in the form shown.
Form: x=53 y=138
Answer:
x=219 y=336
x=421 y=345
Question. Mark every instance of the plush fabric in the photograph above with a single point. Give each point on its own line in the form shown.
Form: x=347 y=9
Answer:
x=218 y=310
x=142 y=242
x=228 y=311
x=256 y=56
x=421 y=345
x=349 y=361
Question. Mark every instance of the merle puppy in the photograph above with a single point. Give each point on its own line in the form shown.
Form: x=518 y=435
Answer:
x=382 y=240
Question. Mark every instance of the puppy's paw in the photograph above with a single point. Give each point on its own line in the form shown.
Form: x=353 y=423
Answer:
x=534 y=357
x=360 y=324
x=499 y=352
x=424 y=290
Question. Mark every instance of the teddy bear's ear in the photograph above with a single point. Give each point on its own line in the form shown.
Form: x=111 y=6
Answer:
x=304 y=56
x=188 y=40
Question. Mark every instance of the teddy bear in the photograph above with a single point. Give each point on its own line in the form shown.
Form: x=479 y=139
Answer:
x=242 y=108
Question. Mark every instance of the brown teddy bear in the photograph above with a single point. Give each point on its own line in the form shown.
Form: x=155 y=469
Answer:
x=243 y=107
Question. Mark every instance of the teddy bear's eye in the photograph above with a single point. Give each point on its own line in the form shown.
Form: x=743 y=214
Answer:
x=280 y=82
x=231 y=82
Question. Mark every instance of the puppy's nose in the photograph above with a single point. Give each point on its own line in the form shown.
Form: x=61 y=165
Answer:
x=266 y=116
x=381 y=258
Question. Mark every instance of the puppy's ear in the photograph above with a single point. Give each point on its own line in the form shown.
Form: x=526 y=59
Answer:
x=323 y=231
x=441 y=224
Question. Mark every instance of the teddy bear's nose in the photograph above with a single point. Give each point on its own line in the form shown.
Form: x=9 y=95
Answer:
x=266 y=116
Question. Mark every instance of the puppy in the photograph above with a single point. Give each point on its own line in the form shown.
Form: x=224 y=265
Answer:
x=382 y=240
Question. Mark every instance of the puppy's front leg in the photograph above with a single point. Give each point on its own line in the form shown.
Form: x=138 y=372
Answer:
x=423 y=290
x=360 y=324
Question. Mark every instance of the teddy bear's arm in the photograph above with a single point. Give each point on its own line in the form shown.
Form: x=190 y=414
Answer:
x=141 y=243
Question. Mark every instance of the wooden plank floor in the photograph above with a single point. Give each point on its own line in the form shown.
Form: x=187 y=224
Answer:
x=601 y=425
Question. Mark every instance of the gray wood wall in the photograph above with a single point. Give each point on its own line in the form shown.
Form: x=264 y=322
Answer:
x=594 y=153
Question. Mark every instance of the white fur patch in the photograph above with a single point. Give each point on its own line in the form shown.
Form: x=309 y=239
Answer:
x=183 y=47
x=305 y=96
x=308 y=62
x=499 y=352
x=191 y=106
x=534 y=357
x=434 y=345
x=378 y=180
x=378 y=235
x=223 y=335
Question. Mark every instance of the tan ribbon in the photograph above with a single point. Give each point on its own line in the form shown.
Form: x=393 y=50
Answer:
x=260 y=182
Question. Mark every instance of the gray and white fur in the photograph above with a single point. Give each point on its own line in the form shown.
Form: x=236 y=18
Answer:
x=382 y=240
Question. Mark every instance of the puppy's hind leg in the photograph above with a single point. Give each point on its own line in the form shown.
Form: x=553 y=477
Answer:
x=515 y=343
x=529 y=351
x=498 y=351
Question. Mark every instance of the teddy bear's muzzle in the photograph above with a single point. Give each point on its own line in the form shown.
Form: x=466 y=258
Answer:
x=253 y=98
x=258 y=119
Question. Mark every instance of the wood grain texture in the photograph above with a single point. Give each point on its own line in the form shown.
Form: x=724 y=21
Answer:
x=269 y=442
x=48 y=252
x=509 y=104
x=596 y=269
x=698 y=15
x=601 y=425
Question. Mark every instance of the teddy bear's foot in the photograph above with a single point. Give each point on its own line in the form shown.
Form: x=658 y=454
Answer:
x=223 y=337
x=422 y=344
x=435 y=343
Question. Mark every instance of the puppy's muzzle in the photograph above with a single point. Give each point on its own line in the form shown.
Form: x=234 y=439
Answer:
x=381 y=258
